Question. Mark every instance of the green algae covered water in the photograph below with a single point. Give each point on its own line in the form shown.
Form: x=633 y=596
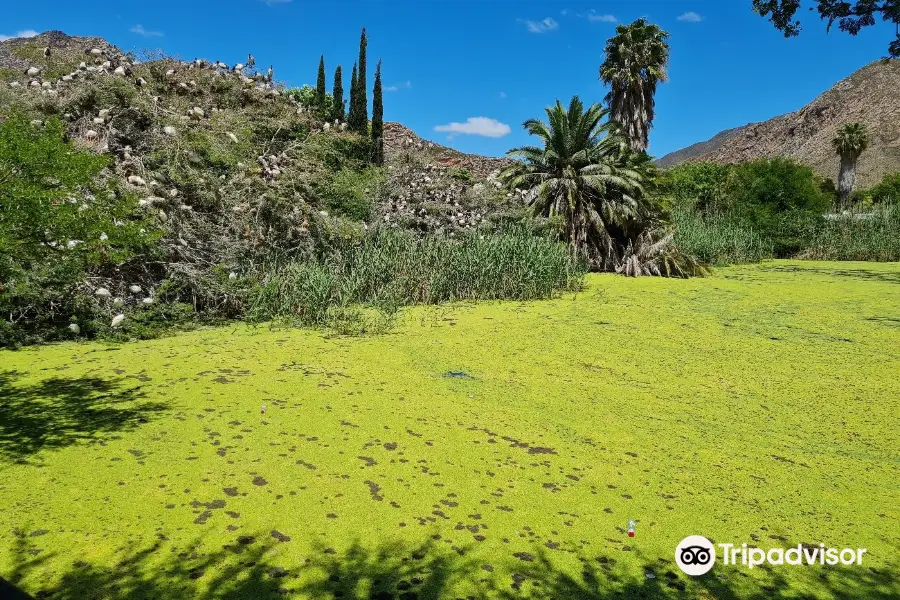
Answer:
x=493 y=450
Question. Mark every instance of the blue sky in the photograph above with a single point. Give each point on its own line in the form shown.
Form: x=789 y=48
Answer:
x=461 y=66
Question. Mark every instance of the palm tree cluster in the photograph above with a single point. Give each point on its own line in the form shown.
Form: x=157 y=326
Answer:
x=592 y=170
x=586 y=175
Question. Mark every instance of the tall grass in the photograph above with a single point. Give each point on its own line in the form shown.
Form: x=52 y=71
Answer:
x=717 y=239
x=863 y=234
x=389 y=269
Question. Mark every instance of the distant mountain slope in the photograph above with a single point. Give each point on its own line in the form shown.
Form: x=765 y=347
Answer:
x=698 y=149
x=870 y=96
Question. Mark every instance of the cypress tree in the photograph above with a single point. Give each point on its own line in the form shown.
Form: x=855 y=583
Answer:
x=337 y=106
x=377 y=119
x=320 y=88
x=362 y=110
x=354 y=92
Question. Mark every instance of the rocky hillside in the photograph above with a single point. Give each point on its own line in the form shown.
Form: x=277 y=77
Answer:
x=868 y=96
x=434 y=188
x=229 y=166
x=169 y=124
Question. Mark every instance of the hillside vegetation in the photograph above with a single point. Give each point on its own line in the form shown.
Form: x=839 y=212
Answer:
x=869 y=97
x=222 y=176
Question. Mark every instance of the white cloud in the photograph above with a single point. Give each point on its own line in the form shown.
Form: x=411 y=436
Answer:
x=139 y=29
x=593 y=17
x=690 y=17
x=542 y=26
x=393 y=88
x=477 y=126
x=25 y=33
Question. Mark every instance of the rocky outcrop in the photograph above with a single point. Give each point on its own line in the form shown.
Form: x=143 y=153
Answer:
x=868 y=96
x=400 y=141
x=434 y=188
x=192 y=105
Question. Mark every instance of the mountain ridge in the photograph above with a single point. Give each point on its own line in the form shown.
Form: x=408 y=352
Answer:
x=805 y=134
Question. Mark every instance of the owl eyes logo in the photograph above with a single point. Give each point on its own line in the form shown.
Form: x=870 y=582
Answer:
x=695 y=555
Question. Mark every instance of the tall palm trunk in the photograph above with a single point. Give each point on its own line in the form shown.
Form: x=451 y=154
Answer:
x=846 y=180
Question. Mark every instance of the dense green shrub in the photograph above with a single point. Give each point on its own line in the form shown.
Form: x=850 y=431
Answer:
x=887 y=191
x=699 y=186
x=57 y=225
x=306 y=95
x=389 y=269
x=351 y=192
x=461 y=174
x=747 y=211
x=764 y=188
x=779 y=198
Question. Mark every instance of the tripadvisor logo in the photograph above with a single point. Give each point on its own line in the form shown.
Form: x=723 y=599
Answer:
x=695 y=555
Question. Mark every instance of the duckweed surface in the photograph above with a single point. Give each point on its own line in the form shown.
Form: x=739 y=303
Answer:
x=494 y=450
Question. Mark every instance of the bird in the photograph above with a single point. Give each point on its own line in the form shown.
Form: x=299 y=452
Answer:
x=270 y=73
x=251 y=62
x=47 y=52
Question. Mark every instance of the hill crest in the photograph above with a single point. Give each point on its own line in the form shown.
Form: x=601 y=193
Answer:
x=868 y=96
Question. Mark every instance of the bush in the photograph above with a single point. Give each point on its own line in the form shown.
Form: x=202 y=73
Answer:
x=461 y=174
x=699 y=186
x=56 y=227
x=768 y=187
x=886 y=192
x=352 y=193
x=744 y=212
x=389 y=269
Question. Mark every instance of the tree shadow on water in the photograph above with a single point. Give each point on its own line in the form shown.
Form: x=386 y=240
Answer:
x=59 y=412
x=601 y=578
x=243 y=570
x=391 y=571
x=248 y=569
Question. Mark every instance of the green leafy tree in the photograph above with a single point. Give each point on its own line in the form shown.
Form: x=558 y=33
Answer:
x=888 y=191
x=56 y=226
x=378 y=119
x=582 y=176
x=337 y=95
x=695 y=185
x=851 y=17
x=636 y=60
x=779 y=198
x=850 y=142
x=321 y=92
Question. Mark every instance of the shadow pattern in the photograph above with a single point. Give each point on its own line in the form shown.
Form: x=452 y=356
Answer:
x=248 y=570
x=59 y=412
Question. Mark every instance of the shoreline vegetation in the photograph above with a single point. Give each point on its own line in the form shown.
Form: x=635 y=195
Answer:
x=146 y=196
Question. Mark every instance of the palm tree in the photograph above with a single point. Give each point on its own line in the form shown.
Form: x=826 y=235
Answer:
x=851 y=140
x=584 y=173
x=636 y=59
